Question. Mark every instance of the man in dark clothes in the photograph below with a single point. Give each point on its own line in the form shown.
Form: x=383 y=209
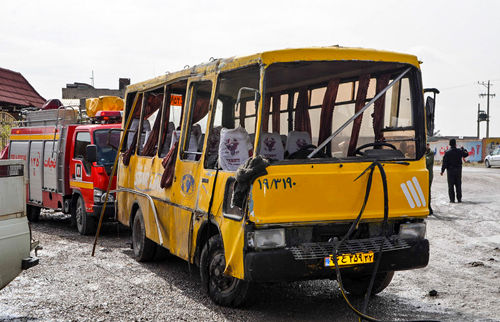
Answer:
x=452 y=162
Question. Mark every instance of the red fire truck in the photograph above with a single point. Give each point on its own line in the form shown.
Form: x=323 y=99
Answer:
x=68 y=162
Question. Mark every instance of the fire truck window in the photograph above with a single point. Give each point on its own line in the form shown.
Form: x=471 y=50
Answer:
x=106 y=142
x=195 y=134
x=81 y=142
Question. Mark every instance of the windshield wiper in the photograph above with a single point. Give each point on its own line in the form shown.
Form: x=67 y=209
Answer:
x=343 y=126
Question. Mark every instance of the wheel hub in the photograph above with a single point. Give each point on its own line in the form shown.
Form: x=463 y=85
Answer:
x=222 y=282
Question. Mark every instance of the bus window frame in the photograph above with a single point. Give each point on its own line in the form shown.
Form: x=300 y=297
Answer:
x=134 y=99
x=170 y=86
x=414 y=76
x=163 y=108
x=187 y=118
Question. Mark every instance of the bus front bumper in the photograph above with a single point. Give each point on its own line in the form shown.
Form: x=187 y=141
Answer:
x=306 y=262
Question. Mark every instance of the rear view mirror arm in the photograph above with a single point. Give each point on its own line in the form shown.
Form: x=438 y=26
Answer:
x=256 y=91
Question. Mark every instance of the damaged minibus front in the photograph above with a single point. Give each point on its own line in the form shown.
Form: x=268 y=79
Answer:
x=285 y=165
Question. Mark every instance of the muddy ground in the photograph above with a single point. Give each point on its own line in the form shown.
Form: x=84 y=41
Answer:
x=464 y=269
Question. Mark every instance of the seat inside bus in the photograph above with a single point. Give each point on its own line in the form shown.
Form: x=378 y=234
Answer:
x=234 y=148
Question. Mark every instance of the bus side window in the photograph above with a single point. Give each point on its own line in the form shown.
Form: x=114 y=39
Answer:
x=134 y=123
x=227 y=114
x=212 y=150
x=199 y=105
x=151 y=118
x=172 y=115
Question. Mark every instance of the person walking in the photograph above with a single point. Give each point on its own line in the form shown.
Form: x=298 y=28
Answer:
x=429 y=163
x=452 y=163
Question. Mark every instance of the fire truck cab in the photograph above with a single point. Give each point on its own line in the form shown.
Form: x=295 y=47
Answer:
x=68 y=163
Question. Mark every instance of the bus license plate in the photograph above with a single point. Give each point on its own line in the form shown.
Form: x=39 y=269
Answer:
x=350 y=259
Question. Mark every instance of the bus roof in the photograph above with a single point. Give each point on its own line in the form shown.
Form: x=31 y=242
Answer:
x=283 y=55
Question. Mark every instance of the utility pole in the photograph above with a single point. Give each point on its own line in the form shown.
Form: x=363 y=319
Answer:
x=488 y=95
x=481 y=117
x=478 y=121
x=92 y=78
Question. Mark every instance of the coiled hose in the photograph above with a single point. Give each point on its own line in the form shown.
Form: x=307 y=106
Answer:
x=371 y=168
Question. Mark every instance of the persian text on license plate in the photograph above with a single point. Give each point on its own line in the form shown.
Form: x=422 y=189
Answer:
x=350 y=259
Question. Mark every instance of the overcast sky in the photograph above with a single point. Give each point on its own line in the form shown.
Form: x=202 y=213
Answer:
x=53 y=43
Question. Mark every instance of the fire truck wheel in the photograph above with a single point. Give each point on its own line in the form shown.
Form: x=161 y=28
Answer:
x=223 y=289
x=357 y=285
x=84 y=222
x=33 y=213
x=144 y=248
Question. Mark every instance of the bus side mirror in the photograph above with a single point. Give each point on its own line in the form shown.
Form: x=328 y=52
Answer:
x=91 y=153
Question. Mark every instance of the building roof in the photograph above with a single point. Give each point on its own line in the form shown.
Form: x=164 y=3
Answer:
x=15 y=90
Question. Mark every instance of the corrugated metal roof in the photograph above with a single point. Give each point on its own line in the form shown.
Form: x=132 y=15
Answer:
x=15 y=90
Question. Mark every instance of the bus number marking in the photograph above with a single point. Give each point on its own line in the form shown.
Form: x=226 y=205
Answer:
x=276 y=184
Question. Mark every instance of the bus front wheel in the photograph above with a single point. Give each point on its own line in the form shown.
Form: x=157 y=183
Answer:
x=144 y=248
x=223 y=289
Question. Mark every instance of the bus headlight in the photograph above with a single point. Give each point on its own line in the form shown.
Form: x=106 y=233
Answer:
x=412 y=230
x=267 y=238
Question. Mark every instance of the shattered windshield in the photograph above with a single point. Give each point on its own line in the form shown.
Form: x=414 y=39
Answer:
x=107 y=142
x=306 y=102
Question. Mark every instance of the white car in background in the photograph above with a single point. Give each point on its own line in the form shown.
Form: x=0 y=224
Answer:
x=493 y=159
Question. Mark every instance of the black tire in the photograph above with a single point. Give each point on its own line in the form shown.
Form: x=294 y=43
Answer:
x=487 y=164
x=223 y=290
x=33 y=213
x=144 y=248
x=358 y=285
x=85 y=223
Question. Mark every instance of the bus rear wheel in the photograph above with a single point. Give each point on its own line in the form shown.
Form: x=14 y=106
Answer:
x=144 y=248
x=223 y=289
x=358 y=285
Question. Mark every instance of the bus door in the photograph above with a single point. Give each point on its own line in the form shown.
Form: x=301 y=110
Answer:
x=192 y=185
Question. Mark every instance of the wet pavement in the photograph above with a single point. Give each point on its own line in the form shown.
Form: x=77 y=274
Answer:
x=69 y=284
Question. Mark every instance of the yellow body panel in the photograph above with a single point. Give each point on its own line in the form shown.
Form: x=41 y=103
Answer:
x=329 y=192
x=320 y=193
